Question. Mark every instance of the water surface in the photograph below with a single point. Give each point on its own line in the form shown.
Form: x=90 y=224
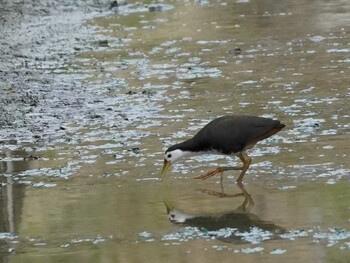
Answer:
x=151 y=76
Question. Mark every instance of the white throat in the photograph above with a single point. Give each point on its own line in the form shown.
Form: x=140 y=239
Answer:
x=179 y=154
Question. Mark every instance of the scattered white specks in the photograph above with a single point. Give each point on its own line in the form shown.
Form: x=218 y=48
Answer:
x=40 y=244
x=145 y=234
x=7 y=236
x=96 y=240
x=65 y=245
x=219 y=248
x=292 y=234
x=247 y=82
x=335 y=50
x=278 y=251
x=328 y=147
x=286 y=187
x=42 y=184
x=148 y=179
x=317 y=38
x=329 y=132
x=255 y=235
x=346 y=245
x=249 y=250
x=333 y=235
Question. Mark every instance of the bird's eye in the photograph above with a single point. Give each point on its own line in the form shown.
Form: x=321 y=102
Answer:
x=169 y=155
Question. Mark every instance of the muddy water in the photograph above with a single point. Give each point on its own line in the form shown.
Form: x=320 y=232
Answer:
x=153 y=75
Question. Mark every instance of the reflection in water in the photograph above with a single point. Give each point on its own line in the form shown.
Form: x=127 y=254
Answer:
x=160 y=72
x=15 y=161
x=11 y=198
x=7 y=212
x=240 y=225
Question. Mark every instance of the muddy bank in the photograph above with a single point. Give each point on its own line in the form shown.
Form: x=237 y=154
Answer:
x=40 y=93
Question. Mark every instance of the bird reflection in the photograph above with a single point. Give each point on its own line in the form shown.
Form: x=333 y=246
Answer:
x=239 y=219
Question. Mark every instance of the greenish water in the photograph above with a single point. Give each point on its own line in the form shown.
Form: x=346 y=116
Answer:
x=93 y=194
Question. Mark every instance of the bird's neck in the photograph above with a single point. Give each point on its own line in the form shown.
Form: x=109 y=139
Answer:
x=191 y=148
x=188 y=148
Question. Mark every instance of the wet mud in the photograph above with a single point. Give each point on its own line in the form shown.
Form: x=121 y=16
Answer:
x=93 y=92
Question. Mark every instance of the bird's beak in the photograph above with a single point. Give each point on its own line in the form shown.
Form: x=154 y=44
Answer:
x=166 y=166
x=168 y=205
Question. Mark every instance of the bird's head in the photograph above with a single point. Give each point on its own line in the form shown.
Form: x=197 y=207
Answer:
x=176 y=216
x=171 y=155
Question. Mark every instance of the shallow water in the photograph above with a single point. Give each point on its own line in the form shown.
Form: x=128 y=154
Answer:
x=150 y=76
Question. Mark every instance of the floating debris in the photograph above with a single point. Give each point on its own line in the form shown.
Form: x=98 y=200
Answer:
x=255 y=235
x=293 y=234
x=286 y=187
x=346 y=245
x=333 y=236
x=148 y=179
x=336 y=50
x=43 y=184
x=219 y=248
x=317 y=38
x=7 y=236
x=95 y=240
x=250 y=250
x=145 y=234
x=278 y=251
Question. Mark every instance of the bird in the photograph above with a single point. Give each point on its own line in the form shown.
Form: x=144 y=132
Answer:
x=240 y=219
x=226 y=135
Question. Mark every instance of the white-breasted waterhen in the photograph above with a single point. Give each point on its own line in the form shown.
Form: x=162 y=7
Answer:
x=231 y=134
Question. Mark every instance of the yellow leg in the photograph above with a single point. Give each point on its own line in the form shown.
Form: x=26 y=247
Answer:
x=246 y=162
x=248 y=201
x=216 y=171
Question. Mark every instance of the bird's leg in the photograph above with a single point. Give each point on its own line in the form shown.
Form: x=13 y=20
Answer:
x=216 y=171
x=246 y=160
x=221 y=181
x=248 y=202
x=218 y=194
